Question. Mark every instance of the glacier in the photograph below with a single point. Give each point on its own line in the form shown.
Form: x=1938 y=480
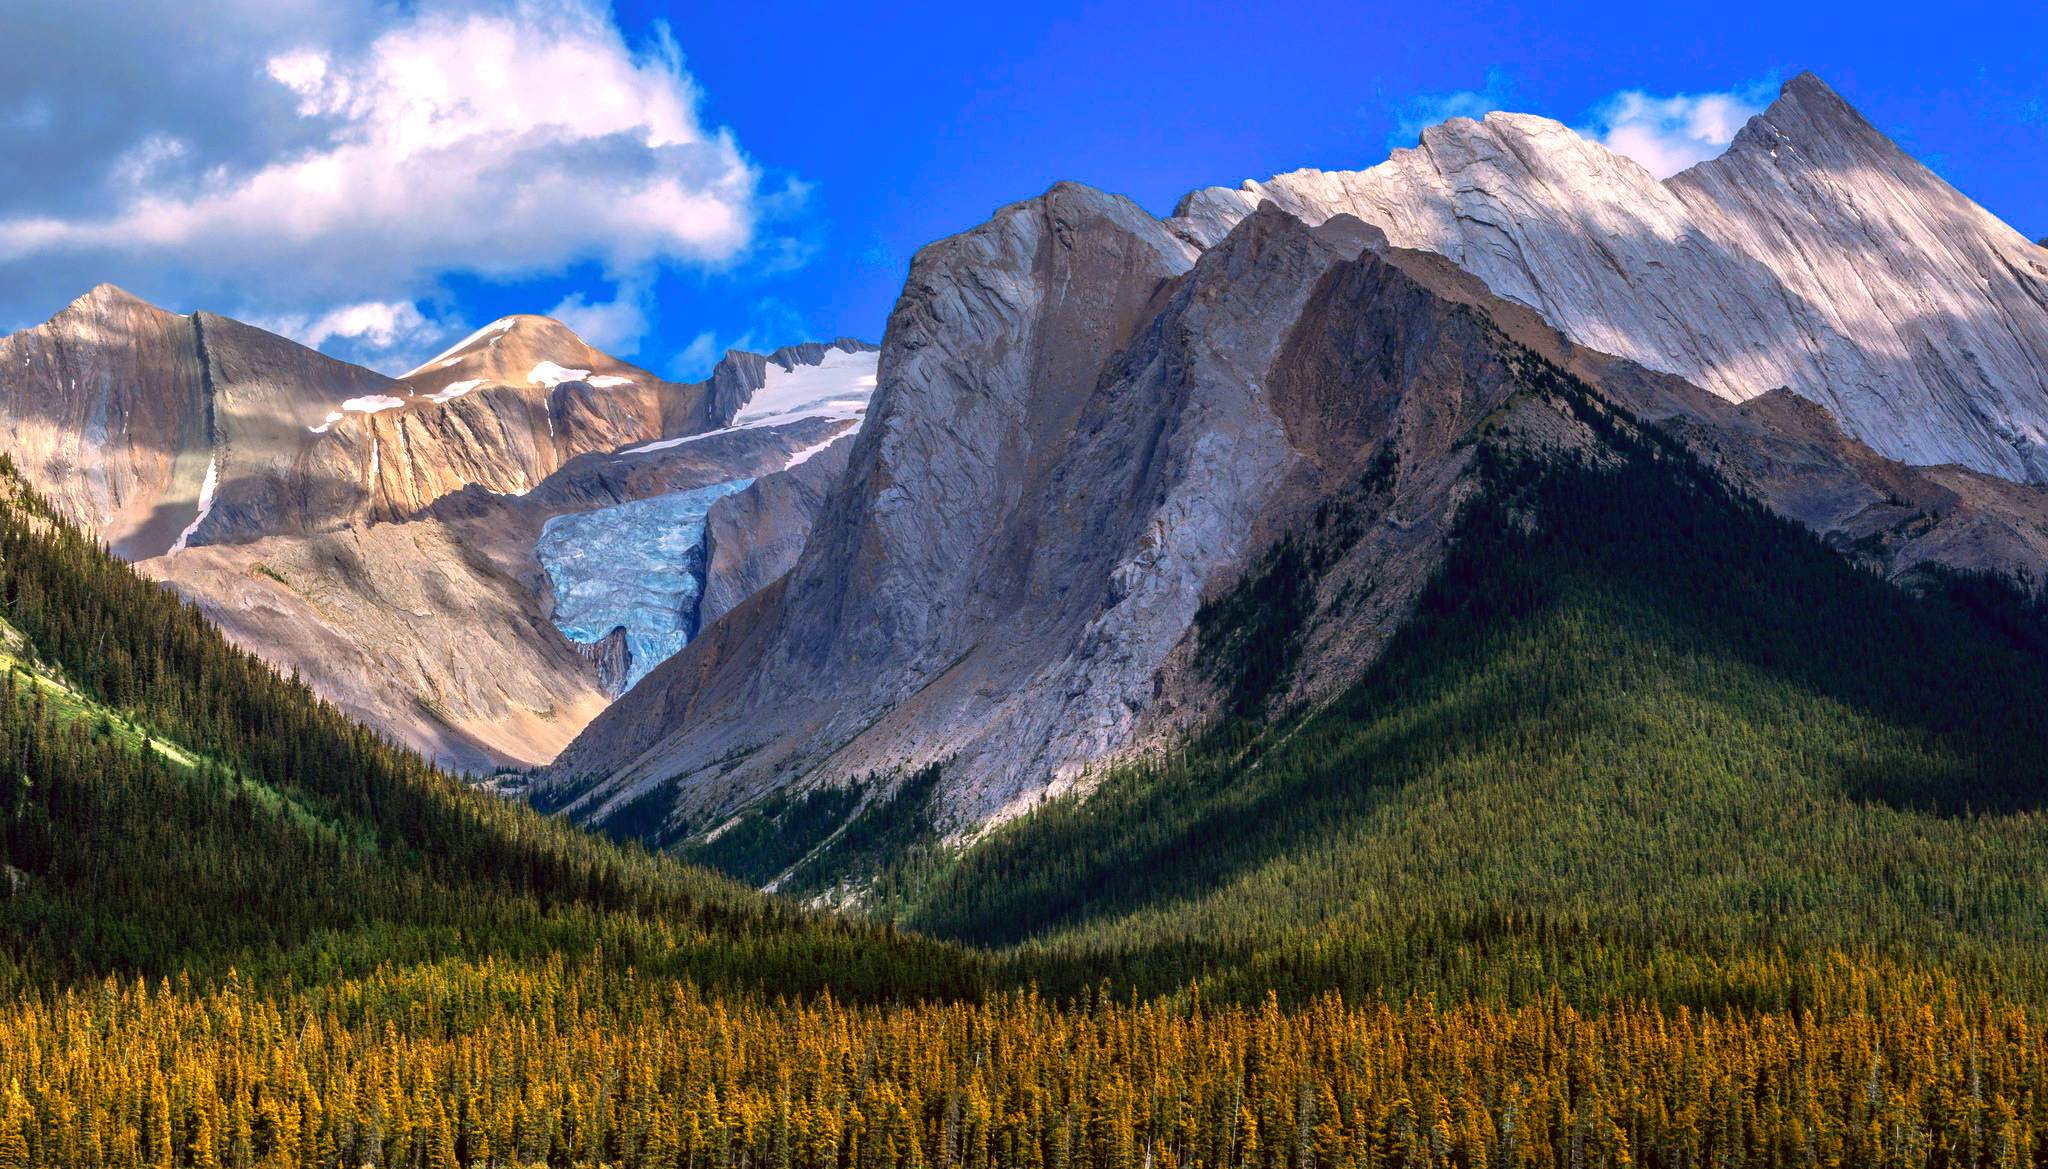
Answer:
x=635 y=566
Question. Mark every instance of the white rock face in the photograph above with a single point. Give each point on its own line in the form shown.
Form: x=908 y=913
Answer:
x=1814 y=255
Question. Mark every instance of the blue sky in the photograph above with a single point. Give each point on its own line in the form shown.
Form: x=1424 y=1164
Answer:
x=677 y=178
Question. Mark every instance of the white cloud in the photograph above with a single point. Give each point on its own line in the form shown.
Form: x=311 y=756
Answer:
x=1669 y=134
x=774 y=325
x=378 y=324
x=615 y=326
x=507 y=140
x=695 y=360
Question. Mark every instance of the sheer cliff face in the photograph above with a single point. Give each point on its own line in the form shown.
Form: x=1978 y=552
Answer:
x=1078 y=438
x=1813 y=255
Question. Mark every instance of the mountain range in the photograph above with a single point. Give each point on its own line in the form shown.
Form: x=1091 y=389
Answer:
x=1487 y=660
x=988 y=546
x=1091 y=423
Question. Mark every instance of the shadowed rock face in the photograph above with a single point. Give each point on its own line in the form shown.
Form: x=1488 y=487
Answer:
x=1813 y=255
x=755 y=536
x=1080 y=436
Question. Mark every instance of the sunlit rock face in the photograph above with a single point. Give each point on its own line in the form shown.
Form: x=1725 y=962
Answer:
x=637 y=567
x=1813 y=255
x=376 y=535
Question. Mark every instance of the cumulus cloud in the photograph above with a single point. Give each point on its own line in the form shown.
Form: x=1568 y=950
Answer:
x=502 y=141
x=616 y=325
x=1669 y=134
x=694 y=361
x=375 y=324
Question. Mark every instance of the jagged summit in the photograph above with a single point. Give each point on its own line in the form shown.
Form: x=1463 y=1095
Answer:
x=1814 y=255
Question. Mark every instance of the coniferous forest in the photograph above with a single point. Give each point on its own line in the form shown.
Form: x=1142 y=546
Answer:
x=1662 y=836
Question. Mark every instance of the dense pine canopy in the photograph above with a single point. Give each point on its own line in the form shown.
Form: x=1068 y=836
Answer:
x=174 y=805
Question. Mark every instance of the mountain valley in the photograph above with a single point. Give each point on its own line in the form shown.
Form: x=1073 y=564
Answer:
x=1493 y=659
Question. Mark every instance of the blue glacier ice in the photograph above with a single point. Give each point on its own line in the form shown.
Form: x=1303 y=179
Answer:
x=637 y=566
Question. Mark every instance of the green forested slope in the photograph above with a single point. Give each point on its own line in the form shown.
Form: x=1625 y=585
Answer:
x=1642 y=738
x=1645 y=750
x=168 y=803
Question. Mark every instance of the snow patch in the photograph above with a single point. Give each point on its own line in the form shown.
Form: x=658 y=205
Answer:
x=838 y=388
x=816 y=448
x=206 y=489
x=453 y=353
x=454 y=390
x=327 y=425
x=548 y=374
x=371 y=403
x=608 y=380
x=841 y=380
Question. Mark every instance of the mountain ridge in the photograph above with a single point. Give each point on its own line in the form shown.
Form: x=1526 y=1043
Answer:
x=1839 y=266
x=365 y=531
x=1016 y=659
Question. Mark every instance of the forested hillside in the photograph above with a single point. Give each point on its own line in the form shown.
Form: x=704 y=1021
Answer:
x=1643 y=739
x=169 y=804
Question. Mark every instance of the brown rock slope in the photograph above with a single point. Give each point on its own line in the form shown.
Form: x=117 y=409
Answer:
x=375 y=534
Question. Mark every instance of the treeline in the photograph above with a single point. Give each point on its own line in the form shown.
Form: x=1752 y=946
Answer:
x=280 y=837
x=482 y=1065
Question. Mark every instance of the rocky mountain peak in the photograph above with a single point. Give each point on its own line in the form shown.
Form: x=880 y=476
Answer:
x=1813 y=255
x=104 y=296
x=1812 y=125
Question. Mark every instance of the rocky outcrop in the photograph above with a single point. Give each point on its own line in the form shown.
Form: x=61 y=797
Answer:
x=1813 y=255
